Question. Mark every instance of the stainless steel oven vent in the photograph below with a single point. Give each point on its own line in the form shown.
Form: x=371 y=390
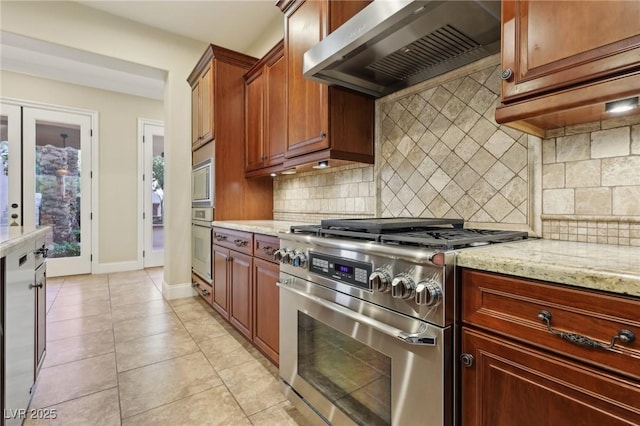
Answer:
x=435 y=48
x=393 y=44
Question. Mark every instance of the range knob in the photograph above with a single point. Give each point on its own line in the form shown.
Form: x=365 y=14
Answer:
x=403 y=287
x=380 y=280
x=279 y=254
x=428 y=293
x=299 y=260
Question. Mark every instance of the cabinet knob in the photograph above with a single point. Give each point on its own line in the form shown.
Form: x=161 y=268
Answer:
x=506 y=74
x=466 y=360
x=323 y=134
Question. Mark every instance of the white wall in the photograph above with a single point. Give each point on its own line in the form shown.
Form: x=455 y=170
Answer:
x=272 y=35
x=118 y=113
x=71 y=24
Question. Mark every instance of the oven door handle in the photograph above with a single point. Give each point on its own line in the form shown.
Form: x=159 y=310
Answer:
x=411 y=338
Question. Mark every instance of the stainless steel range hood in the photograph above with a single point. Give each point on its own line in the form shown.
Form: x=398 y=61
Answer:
x=393 y=44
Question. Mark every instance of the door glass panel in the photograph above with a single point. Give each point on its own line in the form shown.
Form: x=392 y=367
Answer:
x=353 y=376
x=4 y=170
x=58 y=195
x=157 y=194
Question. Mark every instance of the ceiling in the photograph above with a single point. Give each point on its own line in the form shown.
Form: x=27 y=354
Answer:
x=234 y=24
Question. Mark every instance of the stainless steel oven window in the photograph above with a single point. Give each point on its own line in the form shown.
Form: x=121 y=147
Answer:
x=353 y=376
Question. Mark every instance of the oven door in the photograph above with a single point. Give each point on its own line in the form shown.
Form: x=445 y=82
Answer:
x=201 y=249
x=354 y=362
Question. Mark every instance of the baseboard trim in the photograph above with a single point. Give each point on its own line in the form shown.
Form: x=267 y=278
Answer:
x=177 y=291
x=110 y=268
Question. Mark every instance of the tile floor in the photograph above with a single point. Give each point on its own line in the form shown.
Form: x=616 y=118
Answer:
x=119 y=354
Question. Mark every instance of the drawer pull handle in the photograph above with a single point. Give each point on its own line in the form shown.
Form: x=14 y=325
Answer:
x=220 y=237
x=268 y=250
x=241 y=243
x=624 y=336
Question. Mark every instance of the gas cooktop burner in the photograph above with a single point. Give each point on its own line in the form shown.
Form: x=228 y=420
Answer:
x=443 y=234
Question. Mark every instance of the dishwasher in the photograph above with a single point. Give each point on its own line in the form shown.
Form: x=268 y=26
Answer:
x=20 y=304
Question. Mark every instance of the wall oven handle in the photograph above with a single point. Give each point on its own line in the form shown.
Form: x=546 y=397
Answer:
x=410 y=338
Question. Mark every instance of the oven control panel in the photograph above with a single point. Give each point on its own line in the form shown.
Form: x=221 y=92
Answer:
x=348 y=271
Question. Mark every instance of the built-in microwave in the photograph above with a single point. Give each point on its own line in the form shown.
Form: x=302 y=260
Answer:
x=202 y=191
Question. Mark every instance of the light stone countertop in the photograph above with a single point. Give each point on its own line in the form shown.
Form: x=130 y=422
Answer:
x=265 y=227
x=11 y=236
x=588 y=265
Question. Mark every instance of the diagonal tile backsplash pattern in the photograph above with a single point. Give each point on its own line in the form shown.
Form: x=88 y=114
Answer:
x=441 y=154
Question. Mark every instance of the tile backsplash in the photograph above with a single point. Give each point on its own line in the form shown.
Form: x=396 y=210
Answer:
x=591 y=182
x=440 y=153
x=347 y=191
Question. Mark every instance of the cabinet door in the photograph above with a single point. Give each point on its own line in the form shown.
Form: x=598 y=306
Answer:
x=307 y=100
x=276 y=112
x=266 y=307
x=550 y=45
x=207 y=109
x=254 y=151
x=220 y=265
x=240 y=314
x=195 y=115
x=511 y=385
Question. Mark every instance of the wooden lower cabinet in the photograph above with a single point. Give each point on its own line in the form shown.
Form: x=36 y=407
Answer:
x=220 y=265
x=266 y=307
x=510 y=384
x=240 y=312
x=244 y=286
x=515 y=372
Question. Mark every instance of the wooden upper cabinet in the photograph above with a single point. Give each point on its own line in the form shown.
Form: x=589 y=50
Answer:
x=564 y=43
x=219 y=78
x=207 y=109
x=266 y=131
x=254 y=146
x=202 y=109
x=323 y=122
x=562 y=61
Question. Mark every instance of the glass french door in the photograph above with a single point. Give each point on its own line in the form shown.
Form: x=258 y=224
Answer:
x=10 y=166
x=154 y=195
x=56 y=185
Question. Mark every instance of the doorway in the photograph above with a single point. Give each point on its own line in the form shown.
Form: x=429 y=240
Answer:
x=153 y=194
x=48 y=161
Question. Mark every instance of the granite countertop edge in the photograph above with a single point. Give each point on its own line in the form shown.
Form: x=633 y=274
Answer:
x=11 y=237
x=610 y=268
x=264 y=227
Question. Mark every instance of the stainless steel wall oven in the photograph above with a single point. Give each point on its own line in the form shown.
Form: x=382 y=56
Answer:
x=367 y=318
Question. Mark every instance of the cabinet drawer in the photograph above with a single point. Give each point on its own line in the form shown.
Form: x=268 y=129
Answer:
x=203 y=288
x=511 y=306
x=264 y=246
x=235 y=240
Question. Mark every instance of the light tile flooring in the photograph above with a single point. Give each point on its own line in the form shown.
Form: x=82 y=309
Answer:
x=119 y=354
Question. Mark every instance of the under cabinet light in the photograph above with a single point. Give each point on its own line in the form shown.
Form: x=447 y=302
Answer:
x=321 y=165
x=273 y=174
x=289 y=172
x=621 y=105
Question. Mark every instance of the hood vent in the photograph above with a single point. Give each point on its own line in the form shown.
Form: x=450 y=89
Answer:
x=393 y=44
x=441 y=45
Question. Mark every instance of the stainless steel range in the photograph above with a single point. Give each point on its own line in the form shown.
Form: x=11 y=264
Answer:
x=367 y=318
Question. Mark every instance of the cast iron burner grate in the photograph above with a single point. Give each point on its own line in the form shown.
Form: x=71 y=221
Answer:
x=443 y=234
x=449 y=239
